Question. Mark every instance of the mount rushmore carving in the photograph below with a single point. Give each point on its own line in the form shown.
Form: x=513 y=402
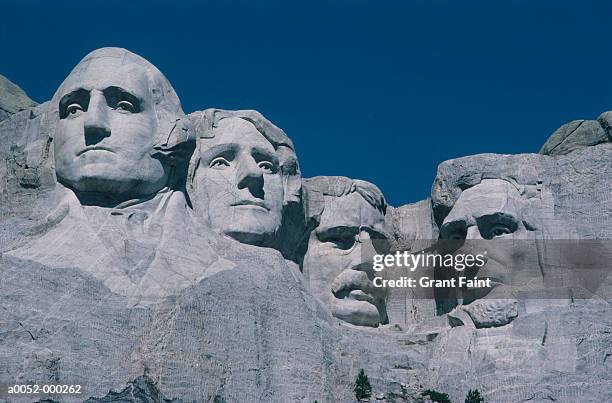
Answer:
x=136 y=240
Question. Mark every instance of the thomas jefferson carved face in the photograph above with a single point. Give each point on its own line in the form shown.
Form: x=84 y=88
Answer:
x=242 y=186
x=337 y=261
x=106 y=131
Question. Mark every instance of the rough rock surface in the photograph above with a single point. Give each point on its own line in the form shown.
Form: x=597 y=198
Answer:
x=209 y=318
x=578 y=134
x=575 y=184
x=12 y=99
x=412 y=226
x=142 y=389
x=541 y=355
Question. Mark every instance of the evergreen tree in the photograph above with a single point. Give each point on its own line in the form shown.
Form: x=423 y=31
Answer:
x=363 y=389
x=437 y=397
x=473 y=396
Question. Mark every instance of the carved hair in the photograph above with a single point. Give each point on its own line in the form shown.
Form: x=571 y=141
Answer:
x=207 y=121
x=339 y=186
x=175 y=138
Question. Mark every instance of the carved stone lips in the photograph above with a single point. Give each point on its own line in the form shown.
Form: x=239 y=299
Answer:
x=255 y=203
x=92 y=148
x=354 y=292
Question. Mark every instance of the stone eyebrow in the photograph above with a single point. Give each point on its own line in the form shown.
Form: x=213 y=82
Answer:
x=80 y=95
x=217 y=149
x=114 y=93
x=337 y=230
x=260 y=152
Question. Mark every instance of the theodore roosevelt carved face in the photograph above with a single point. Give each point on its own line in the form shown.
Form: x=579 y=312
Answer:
x=337 y=264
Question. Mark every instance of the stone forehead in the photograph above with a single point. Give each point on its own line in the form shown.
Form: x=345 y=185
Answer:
x=491 y=188
x=107 y=73
x=457 y=175
x=234 y=125
x=104 y=60
x=350 y=210
x=488 y=197
x=208 y=120
x=240 y=131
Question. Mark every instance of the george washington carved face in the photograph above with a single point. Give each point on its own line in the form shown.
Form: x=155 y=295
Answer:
x=110 y=119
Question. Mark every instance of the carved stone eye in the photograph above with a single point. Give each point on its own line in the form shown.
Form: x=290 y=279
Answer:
x=126 y=106
x=496 y=225
x=266 y=166
x=219 y=163
x=344 y=243
x=74 y=109
x=339 y=239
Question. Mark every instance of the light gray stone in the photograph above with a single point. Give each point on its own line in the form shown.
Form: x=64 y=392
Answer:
x=245 y=179
x=492 y=312
x=412 y=229
x=12 y=99
x=349 y=220
x=539 y=354
x=156 y=299
x=412 y=226
x=99 y=291
x=574 y=135
x=120 y=132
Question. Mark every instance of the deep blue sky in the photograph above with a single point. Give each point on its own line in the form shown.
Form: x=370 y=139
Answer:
x=382 y=91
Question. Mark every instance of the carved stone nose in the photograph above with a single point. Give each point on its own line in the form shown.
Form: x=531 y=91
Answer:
x=96 y=120
x=249 y=176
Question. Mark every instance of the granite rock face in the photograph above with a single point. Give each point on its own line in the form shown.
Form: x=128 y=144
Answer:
x=213 y=272
x=538 y=353
x=12 y=99
x=578 y=134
